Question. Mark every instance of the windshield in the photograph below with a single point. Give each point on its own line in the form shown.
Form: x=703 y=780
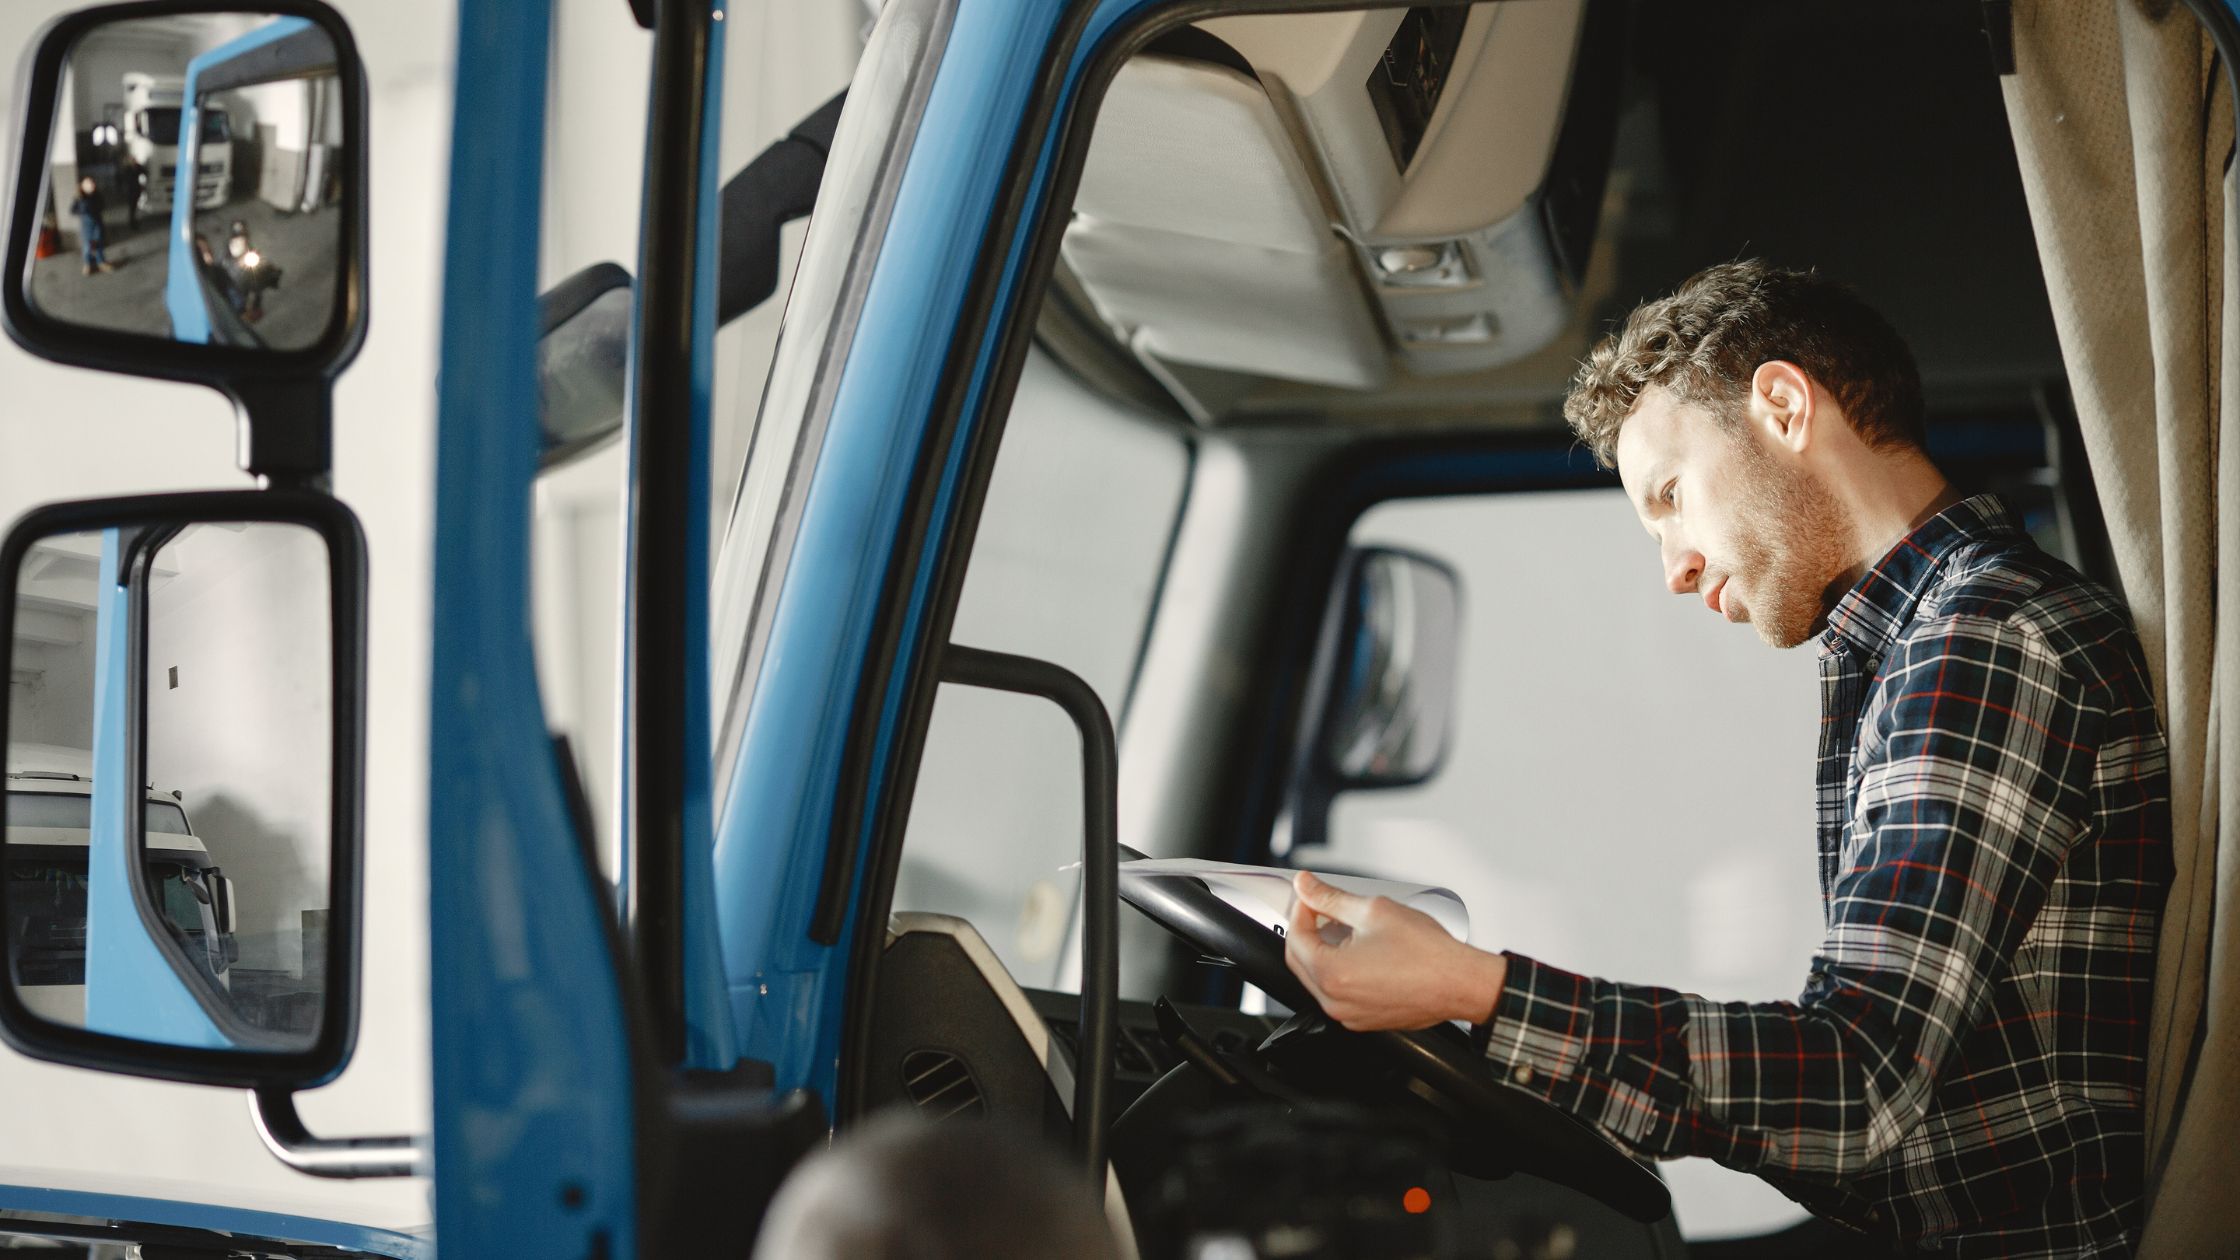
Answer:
x=46 y=913
x=47 y=921
x=162 y=125
x=74 y=812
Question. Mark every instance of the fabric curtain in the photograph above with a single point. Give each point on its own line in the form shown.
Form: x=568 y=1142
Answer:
x=2123 y=124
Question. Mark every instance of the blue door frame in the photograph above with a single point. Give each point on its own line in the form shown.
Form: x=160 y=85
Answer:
x=532 y=1070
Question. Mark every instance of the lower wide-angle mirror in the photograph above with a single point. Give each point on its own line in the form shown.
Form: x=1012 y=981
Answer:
x=196 y=176
x=181 y=845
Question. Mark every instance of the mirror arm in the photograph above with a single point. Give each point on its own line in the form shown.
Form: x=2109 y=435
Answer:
x=281 y=1129
x=293 y=450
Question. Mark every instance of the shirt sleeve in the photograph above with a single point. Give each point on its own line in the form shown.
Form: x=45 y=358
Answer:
x=1972 y=782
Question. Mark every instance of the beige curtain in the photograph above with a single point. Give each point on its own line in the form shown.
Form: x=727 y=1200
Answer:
x=2123 y=123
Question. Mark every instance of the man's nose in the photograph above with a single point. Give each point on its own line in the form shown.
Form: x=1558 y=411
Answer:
x=1682 y=567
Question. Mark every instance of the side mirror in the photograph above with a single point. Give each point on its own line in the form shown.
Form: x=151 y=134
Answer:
x=1380 y=702
x=1392 y=678
x=217 y=232
x=210 y=642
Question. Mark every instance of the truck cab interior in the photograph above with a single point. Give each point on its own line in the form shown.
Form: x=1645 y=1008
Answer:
x=1324 y=280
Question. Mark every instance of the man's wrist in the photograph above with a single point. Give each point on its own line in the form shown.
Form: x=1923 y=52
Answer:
x=1485 y=978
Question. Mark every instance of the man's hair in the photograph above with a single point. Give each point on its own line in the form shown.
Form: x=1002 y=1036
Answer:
x=1706 y=341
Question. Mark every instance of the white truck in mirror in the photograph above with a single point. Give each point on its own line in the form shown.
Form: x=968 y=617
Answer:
x=152 y=106
x=49 y=821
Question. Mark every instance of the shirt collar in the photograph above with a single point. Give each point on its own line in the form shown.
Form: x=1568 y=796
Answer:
x=1871 y=612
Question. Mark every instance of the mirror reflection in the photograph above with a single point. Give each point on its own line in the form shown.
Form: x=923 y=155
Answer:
x=191 y=910
x=242 y=250
x=1393 y=686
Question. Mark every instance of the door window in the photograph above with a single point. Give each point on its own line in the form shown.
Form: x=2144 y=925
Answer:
x=1628 y=786
x=1067 y=565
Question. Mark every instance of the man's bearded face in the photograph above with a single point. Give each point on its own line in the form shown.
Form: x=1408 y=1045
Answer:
x=1738 y=523
x=1788 y=549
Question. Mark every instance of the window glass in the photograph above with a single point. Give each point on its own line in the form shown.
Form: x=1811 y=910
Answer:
x=768 y=426
x=1628 y=790
x=47 y=912
x=1070 y=553
x=57 y=809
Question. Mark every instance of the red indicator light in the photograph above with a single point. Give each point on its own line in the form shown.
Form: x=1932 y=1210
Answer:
x=1417 y=1200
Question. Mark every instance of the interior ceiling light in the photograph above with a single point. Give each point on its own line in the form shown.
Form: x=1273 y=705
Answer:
x=1422 y=265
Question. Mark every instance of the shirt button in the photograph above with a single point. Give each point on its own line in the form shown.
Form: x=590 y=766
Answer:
x=1522 y=1074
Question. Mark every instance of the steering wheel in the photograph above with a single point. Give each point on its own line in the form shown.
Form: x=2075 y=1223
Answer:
x=1549 y=1143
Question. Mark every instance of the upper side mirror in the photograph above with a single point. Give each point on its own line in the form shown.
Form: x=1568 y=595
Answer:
x=190 y=203
x=1391 y=695
x=208 y=645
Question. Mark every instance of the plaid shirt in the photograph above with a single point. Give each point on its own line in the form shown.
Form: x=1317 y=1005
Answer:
x=1964 y=1068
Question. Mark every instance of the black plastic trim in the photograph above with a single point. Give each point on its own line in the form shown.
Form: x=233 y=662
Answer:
x=661 y=525
x=282 y=395
x=338 y=1021
x=567 y=299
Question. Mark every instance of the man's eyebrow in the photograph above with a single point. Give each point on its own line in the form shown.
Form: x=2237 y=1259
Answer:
x=1646 y=500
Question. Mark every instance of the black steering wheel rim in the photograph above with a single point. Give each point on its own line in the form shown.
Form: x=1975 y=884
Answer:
x=1562 y=1148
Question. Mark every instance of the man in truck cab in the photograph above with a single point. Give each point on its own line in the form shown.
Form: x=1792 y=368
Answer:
x=1964 y=1068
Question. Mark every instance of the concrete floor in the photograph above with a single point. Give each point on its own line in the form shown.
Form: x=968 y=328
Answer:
x=130 y=299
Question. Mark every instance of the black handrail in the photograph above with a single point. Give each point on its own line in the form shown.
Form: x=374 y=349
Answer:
x=1100 y=871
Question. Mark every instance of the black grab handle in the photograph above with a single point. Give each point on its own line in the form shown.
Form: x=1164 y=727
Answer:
x=1100 y=871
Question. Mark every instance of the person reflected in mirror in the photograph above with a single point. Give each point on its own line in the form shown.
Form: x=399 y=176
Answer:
x=250 y=272
x=215 y=276
x=93 y=233
x=132 y=182
x=1964 y=1067
x=904 y=1188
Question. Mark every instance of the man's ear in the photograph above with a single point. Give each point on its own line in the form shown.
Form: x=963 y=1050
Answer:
x=1783 y=404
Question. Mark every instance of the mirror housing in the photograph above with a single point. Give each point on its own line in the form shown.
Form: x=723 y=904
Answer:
x=280 y=378
x=204 y=1022
x=1380 y=698
x=1390 y=697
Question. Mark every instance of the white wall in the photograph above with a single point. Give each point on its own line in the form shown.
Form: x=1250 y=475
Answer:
x=56 y=707
x=239 y=711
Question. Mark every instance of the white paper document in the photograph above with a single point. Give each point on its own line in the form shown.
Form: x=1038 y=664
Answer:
x=1264 y=892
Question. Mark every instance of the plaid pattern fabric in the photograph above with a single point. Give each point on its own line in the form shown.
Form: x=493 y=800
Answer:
x=1964 y=1068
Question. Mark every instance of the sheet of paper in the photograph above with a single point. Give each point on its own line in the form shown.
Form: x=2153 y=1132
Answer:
x=1264 y=892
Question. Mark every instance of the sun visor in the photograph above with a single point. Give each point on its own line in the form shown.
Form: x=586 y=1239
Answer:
x=1200 y=237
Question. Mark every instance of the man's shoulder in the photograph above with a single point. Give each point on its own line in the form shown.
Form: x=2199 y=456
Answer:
x=2009 y=585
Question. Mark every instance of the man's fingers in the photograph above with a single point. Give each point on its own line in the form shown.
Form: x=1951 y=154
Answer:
x=1302 y=935
x=1329 y=899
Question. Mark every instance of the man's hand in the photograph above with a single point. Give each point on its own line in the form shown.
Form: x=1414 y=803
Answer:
x=1374 y=963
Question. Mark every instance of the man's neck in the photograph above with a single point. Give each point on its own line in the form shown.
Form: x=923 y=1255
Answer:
x=1891 y=496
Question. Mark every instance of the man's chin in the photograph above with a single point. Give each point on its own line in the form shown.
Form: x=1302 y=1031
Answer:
x=1787 y=630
